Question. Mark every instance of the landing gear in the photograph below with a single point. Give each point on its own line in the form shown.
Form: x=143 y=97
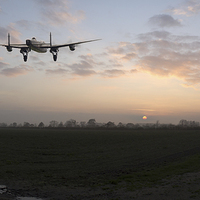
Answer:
x=24 y=52
x=25 y=58
x=55 y=57
x=54 y=52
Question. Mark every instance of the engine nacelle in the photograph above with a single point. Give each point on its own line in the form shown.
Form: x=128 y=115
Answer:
x=9 y=49
x=72 y=47
x=54 y=50
x=25 y=50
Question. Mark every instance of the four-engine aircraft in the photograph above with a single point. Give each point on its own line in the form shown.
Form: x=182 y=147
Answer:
x=40 y=46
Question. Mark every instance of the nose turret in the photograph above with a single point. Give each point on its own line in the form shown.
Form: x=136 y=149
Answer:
x=28 y=42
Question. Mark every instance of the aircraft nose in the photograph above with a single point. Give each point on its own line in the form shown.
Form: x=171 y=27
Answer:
x=28 y=42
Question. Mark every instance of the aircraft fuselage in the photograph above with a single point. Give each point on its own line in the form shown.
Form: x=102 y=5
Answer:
x=35 y=45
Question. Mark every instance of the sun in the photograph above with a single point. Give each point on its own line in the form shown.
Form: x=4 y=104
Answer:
x=144 y=117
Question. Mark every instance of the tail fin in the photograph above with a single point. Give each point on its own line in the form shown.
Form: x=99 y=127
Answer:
x=8 y=39
x=8 y=47
x=50 y=39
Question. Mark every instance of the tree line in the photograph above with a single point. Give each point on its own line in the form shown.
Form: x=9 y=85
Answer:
x=183 y=124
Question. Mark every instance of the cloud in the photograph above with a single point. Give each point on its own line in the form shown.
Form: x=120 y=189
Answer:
x=164 y=20
x=15 y=71
x=51 y=3
x=13 y=32
x=124 y=51
x=144 y=109
x=3 y=64
x=161 y=53
x=56 y=12
x=154 y=34
x=133 y=71
x=90 y=66
x=24 y=24
x=57 y=71
x=62 y=17
x=91 y=59
x=188 y=8
x=129 y=56
x=79 y=69
x=89 y=62
x=113 y=73
x=3 y=33
x=83 y=68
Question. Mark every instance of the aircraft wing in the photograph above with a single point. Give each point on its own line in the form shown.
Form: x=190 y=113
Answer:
x=65 y=45
x=19 y=46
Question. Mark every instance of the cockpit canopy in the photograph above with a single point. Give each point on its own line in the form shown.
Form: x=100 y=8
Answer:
x=33 y=38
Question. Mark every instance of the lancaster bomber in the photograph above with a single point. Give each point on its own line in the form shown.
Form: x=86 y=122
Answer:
x=40 y=46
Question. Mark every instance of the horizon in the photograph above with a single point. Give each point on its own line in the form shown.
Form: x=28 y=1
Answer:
x=147 y=63
x=47 y=123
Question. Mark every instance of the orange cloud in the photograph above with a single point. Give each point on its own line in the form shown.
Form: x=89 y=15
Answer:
x=188 y=8
x=163 y=54
x=113 y=73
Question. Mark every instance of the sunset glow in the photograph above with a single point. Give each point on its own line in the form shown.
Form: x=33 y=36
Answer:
x=144 y=117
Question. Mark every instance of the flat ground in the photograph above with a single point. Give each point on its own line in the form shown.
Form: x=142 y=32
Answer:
x=100 y=164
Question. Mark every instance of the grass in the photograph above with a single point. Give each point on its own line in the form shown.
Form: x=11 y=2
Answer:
x=92 y=158
x=150 y=177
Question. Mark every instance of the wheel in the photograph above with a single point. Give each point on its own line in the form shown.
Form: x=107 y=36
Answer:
x=25 y=58
x=54 y=57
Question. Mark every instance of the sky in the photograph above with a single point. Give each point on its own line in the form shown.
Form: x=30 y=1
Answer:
x=147 y=63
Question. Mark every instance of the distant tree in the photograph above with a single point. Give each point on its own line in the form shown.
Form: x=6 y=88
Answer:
x=78 y=125
x=157 y=124
x=130 y=125
x=3 y=124
x=171 y=126
x=137 y=126
x=33 y=125
x=74 y=123
x=53 y=124
x=164 y=126
x=13 y=125
x=71 y=123
x=148 y=126
x=183 y=123
x=19 y=125
x=91 y=123
x=110 y=125
x=26 y=124
x=120 y=125
x=193 y=124
x=60 y=125
x=83 y=124
x=41 y=125
x=68 y=124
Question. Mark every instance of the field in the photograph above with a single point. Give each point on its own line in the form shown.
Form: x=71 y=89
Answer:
x=100 y=164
